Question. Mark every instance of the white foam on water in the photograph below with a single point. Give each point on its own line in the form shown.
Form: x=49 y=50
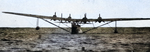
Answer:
x=69 y=41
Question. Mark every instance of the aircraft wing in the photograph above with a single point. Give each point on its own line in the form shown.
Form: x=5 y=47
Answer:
x=111 y=19
x=125 y=19
x=77 y=20
x=43 y=17
x=36 y=16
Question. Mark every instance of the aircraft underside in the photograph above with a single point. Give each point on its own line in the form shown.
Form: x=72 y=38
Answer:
x=76 y=28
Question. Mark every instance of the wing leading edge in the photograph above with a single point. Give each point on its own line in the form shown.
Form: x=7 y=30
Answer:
x=76 y=20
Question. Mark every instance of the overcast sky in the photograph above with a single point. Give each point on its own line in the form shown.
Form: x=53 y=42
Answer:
x=77 y=8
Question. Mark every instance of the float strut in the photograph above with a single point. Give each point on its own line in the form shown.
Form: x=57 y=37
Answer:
x=115 y=31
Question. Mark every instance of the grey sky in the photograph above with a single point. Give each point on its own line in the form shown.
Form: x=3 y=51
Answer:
x=107 y=9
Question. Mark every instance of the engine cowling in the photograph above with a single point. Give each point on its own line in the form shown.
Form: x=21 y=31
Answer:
x=69 y=18
x=84 y=19
x=99 y=19
x=54 y=16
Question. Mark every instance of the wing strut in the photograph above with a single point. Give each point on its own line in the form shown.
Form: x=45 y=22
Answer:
x=97 y=26
x=56 y=25
x=37 y=27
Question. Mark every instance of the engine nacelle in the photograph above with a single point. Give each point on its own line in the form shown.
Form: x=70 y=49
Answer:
x=54 y=15
x=84 y=19
x=99 y=19
x=69 y=18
